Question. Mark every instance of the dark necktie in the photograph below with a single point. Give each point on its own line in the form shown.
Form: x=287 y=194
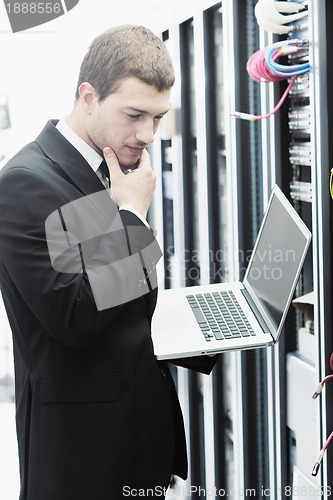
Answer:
x=105 y=174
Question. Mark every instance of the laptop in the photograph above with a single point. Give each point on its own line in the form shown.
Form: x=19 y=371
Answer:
x=214 y=318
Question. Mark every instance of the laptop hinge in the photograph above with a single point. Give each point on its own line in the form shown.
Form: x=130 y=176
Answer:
x=255 y=311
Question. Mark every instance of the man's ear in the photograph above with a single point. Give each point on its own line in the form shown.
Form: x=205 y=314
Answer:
x=88 y=96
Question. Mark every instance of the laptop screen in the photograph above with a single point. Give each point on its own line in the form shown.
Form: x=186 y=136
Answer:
x=276 y=260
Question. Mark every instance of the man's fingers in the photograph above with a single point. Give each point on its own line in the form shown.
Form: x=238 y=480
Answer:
x=145 y=155
x=111 y=161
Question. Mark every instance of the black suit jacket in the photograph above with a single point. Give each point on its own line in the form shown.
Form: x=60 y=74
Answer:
x=95 y=410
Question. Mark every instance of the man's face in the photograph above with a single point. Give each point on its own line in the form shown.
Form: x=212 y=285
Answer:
x=127 y=120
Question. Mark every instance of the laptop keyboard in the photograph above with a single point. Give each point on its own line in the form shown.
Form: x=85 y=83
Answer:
x=219 y=315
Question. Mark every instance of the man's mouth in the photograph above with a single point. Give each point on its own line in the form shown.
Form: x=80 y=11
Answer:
x=135 y=150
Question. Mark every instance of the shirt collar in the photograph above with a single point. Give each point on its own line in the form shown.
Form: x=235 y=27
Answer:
x=89 y=154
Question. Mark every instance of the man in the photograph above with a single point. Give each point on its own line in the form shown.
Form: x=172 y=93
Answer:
x=97 y=414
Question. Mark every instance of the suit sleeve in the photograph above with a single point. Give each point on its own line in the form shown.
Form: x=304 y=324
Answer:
x=201 y=364
x=73 y=266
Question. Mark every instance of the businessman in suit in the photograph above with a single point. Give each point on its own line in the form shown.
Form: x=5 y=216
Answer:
x=97 y=414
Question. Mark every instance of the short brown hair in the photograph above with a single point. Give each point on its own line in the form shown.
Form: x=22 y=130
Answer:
x=124 y=52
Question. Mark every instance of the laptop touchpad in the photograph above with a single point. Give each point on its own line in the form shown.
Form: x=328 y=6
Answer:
x=173 y=319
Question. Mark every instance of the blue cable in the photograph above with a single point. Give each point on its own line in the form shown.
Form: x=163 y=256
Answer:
x=283 y=70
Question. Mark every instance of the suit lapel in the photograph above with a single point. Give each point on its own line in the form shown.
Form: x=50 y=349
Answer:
x=71 y=162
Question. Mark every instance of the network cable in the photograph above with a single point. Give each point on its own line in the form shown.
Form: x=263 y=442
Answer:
x=317 y=464
x=317 y=392
x=263 y=68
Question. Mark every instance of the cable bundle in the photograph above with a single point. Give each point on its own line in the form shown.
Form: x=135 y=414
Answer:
x=272 y=16
x=263 y=68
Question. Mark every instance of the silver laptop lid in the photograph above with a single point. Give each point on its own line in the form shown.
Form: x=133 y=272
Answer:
x=276 y=261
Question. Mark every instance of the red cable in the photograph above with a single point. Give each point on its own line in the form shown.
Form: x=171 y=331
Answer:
x=259 y=71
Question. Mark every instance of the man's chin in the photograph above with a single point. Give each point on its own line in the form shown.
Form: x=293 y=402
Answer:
x=126 y=166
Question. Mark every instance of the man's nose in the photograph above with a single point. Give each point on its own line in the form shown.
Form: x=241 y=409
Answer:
x=146 y=132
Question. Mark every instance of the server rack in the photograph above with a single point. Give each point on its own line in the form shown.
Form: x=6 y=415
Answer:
x=222 y=170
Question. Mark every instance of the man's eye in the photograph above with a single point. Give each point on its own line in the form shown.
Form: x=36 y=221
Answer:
x=133 y=116
x=158 y=117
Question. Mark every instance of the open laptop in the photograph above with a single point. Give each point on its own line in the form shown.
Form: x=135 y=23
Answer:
x=209 y=319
